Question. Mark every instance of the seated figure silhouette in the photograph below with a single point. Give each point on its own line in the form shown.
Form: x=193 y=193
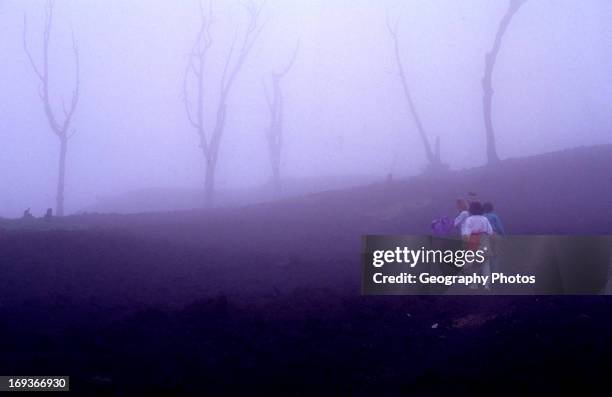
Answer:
x=27 y=214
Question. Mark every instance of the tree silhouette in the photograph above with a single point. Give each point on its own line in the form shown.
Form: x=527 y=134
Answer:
x=432 y=157
x=487 y=86
x=59 y=127
x=210 y=143
x=275 y=131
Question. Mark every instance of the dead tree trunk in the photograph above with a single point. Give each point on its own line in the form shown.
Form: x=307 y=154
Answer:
x=275 y=130
x=487 y=86
x=60 y=128
x=61 y=179
x=431 y=157
x=195 y=68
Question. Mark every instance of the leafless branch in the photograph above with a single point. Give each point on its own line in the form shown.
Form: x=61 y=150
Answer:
x=27 y=51
x=252 y=32
x=267 y=95
x=186 y=101
x=228 y=60
x=291 y=61
x=60 y=129
x=392 y=29
x=68 y=114
x=195 y=65
x=73 y=133
x=417 y=120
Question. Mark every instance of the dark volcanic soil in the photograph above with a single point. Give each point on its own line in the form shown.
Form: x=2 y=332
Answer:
x=268 y=295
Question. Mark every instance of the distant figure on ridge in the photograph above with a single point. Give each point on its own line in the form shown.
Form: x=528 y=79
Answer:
x=27 y=214
x=49 y=215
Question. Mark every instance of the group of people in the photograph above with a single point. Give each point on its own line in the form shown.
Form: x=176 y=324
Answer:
x=478 y=225
x=476 y=218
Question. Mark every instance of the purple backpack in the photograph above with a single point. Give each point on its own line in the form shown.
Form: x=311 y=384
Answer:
x=442 y=226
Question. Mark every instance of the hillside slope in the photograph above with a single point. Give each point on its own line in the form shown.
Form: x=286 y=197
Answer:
x=146 y=303
x=314 y=239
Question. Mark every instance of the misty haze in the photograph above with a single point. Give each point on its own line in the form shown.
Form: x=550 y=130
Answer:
x=345 y=114
x=185 y=185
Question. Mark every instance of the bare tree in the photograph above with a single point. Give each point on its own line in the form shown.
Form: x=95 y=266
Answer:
x=432 y=157
x=210 y=143
x=275 y=130
x=487 y=86
x=61 y=128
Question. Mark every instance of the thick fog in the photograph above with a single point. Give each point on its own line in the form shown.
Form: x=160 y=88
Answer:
x=344 y=113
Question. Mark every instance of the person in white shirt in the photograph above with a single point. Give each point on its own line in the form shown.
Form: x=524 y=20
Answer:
x=476 y=223
x=462 y=206
x=476 y=231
